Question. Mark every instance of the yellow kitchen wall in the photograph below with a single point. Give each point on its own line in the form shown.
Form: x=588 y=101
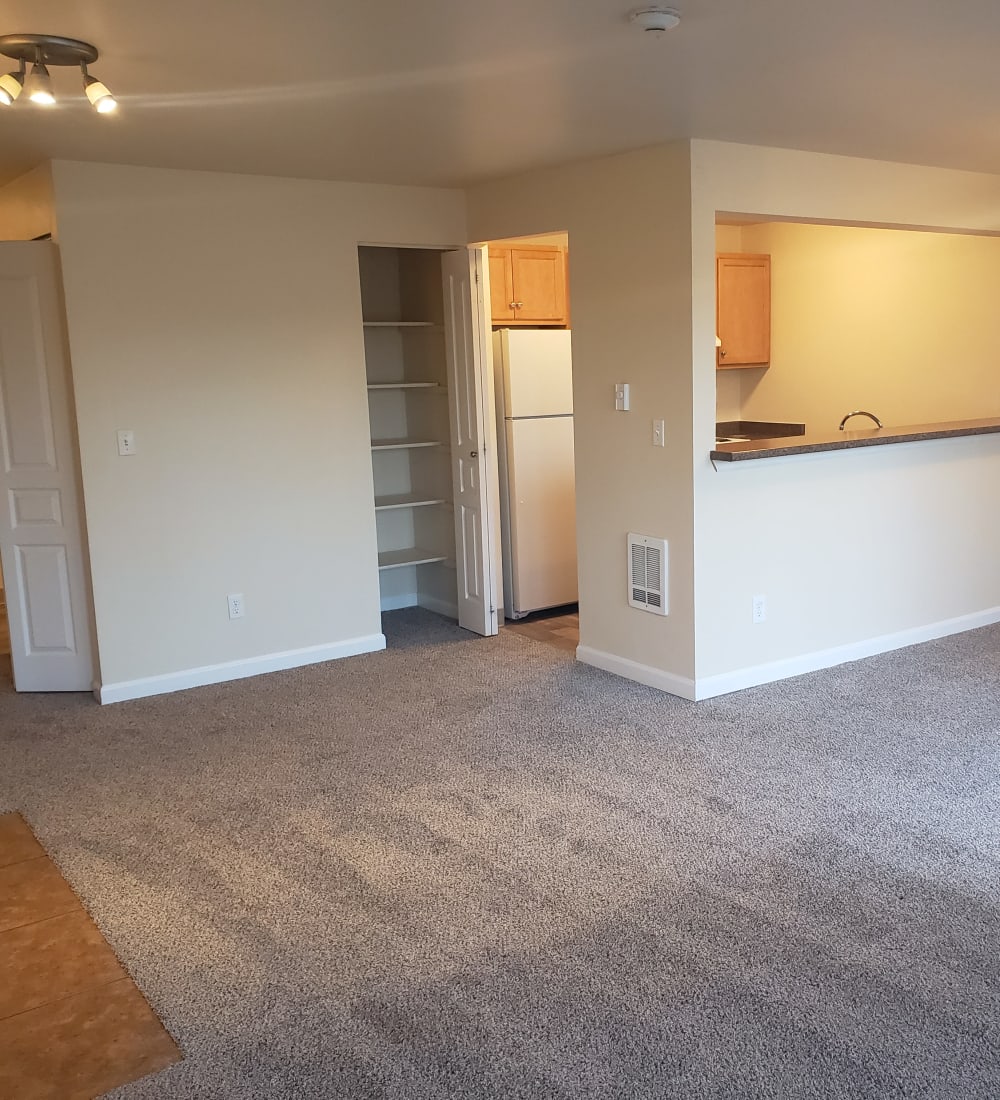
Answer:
x=219 y=318
x=729 y=238
x=628 y=219
x=26 y=208
x=898 y=322
x=855 y=552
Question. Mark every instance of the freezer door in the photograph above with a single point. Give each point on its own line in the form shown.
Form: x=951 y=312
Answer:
x=537 y=372
x=542 y=512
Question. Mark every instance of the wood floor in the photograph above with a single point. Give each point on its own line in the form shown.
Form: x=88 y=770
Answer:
x=559 y=627
x=73 y=1024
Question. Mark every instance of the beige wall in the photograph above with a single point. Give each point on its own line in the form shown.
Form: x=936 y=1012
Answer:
x=855 y=551
x=898 y=322
x=26 y=209
x=629 y=239
x=219 y=318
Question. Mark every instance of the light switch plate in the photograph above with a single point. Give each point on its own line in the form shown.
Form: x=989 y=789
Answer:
x=126 y=442
x=659 y=434
x=621 y=396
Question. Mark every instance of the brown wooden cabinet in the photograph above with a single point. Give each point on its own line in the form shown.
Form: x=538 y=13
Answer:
x=528 y=285
x=743 y=309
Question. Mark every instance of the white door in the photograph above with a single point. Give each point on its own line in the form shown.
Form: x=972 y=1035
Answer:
x=41 y=536
x=473 y=462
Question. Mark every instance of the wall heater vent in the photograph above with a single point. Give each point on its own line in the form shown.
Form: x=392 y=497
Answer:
x=647 y=573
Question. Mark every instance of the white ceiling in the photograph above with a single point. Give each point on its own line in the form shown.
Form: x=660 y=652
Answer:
x=456 y=91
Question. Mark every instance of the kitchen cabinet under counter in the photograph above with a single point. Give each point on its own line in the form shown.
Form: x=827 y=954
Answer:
x=757 y=429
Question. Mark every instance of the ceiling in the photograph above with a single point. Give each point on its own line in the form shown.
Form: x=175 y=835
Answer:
x=451 y=92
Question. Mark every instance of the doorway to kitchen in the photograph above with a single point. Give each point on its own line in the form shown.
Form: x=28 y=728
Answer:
x=532 y=368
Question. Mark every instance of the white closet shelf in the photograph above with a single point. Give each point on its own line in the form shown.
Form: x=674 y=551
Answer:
x=413 y=555
x=406 y=500
x=405 y=386
x=403 y=324
x=404 y=444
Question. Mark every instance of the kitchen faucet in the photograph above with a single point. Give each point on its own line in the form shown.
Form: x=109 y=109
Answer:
x=860 y=412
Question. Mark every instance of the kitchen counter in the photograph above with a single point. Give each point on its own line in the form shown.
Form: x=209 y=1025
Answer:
x=811 y=442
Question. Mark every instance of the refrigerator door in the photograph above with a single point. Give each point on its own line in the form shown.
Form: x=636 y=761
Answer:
x=542 y=513
x=537 y=372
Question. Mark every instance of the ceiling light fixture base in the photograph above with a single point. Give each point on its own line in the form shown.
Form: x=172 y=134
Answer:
x=51 y=49
x=654 y=19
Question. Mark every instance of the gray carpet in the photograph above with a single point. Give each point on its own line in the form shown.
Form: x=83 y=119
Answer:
x=468 y=868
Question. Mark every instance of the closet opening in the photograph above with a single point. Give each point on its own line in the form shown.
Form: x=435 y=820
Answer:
x=432 y=451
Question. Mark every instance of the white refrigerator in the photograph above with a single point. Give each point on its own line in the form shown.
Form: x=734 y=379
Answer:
x=533 y=374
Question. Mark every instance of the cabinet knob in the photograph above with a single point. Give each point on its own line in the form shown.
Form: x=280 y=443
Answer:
x=722 y=353
x=517 y=305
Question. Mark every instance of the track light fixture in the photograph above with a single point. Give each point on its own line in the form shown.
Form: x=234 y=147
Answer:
x=39 y=85
x=40 y=51
x=10 y=86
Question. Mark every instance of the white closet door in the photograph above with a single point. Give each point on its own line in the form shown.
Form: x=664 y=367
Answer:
x=468 y=391
x=41 y=535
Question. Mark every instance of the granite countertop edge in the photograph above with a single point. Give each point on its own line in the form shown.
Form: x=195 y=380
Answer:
x=843 y=441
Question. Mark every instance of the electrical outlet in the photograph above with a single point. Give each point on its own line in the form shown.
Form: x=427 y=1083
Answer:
x=236 y=606
x=659 y=434
x=760 y=609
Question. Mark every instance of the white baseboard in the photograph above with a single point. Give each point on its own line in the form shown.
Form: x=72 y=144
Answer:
x=411 y=599
x=236 y=670
x=710 y=686
x=632 y=670
x=396 y=603
x=442 y=607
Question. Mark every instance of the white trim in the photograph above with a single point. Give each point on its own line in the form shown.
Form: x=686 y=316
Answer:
x=398 y=602
x=413 y=599
x=236 y=670
x=632 y=670
x=710 y=686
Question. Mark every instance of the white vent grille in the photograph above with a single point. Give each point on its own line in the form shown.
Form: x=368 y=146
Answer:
x=647 y=573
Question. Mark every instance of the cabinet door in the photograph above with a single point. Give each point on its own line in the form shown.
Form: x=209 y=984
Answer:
x=501 y=286
x=539 y=278
x=743 y=309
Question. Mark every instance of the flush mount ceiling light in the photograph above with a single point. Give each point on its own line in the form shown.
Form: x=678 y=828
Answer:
x=654 y=20
x=39 y=51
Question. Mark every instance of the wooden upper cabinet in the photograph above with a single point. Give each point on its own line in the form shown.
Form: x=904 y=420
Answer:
x=743 y=309
x=501 y=286
x=528 y=285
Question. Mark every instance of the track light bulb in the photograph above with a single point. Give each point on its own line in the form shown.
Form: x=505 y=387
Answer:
x=10 y=87
x=39 y=85
x=99 y=95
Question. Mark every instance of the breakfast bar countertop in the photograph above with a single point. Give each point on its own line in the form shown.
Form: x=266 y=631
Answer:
x=811 y=442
